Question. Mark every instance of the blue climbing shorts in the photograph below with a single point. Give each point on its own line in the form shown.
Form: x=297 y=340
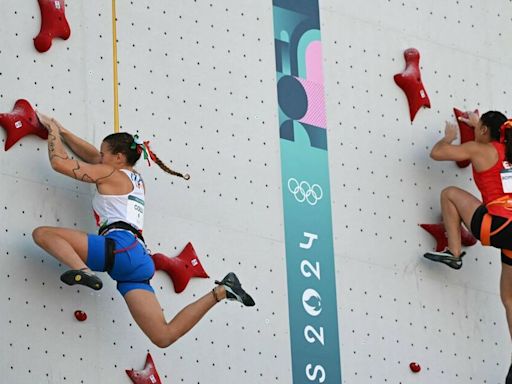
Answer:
x=132 y=269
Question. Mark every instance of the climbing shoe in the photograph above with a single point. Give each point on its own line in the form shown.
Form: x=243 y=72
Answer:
x=234 y=290
x=82 y=276
x=446 y=257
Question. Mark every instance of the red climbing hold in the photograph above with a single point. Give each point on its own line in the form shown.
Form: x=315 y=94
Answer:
x=180 y=268
x=80 y=315
x=53 y=24
x=21 y=121
x=148 y=375
x=415 y=367
x=467 y=133
x=410 y=82
x=439 y=233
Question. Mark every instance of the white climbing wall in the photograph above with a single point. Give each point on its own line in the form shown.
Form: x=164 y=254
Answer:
x=197 y=79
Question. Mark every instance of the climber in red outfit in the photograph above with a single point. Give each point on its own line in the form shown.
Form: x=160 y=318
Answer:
x=489 y=219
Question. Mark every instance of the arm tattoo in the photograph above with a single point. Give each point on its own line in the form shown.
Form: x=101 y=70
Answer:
x=56 y=150
x=53 y=142
x=85 y=177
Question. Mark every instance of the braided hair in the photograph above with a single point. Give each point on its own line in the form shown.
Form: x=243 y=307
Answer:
x=127 y=144
x=165 y=168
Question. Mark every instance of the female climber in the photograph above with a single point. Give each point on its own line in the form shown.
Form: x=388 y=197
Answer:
x=489 y=219
x=119 y=248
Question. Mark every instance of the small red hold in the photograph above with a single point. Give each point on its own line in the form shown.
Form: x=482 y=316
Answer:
x=415 y=367
x=439 y=233
x=53 y=24
x=80 y=315
x=410 y=82
x=148 y=375
x=467 y=133
x=180 y=268
x=21 y=121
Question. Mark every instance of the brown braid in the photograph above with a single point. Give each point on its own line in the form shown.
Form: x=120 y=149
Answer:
x=165 y=168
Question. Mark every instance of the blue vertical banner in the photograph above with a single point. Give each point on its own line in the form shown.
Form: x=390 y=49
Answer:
x=314 y=338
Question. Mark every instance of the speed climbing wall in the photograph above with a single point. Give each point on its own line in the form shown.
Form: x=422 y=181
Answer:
x=198 y=79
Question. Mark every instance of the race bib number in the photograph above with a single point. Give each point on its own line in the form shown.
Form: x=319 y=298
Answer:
x=135 y=211
x=506 y=180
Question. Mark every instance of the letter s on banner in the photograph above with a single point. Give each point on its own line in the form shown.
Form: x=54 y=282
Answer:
x=314 y=376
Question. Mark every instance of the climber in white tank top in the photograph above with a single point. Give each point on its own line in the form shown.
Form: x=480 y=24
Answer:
x=128 y=208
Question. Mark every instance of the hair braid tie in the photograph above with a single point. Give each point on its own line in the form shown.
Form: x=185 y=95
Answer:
x=506 y=125
x=138 y=145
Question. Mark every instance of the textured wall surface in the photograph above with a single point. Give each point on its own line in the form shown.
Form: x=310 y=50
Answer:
x=197 y=79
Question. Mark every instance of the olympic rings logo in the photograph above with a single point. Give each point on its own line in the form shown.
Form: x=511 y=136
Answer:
x=303 y=191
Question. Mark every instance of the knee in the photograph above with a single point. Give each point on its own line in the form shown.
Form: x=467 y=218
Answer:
x=448 y=192
x=39 y=234
x=160 y=342
x=164 y=339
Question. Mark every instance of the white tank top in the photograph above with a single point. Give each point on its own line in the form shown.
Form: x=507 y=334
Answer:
x=128 y=208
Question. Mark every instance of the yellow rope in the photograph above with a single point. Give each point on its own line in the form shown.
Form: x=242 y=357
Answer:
x=114 y=63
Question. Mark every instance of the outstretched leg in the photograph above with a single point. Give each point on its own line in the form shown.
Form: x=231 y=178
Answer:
x=147 y=313
x=457 y=205
x=69 y=246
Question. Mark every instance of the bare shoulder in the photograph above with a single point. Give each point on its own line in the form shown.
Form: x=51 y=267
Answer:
x=116 y=183
x=487 y=148
x=475 y=149
x=474 y=146
x=484 y=156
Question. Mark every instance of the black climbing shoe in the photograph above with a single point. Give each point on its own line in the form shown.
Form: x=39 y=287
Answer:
x=508 y=380
x=82 y=277
x=446 y=257
x=234 y=290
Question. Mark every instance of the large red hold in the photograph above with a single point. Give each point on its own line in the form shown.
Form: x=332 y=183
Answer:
x=21 y=121
x=467 y=133
x=439 y=233
x=410 y=82
x=148 y=375
x=180 y=268
x=53 y=24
